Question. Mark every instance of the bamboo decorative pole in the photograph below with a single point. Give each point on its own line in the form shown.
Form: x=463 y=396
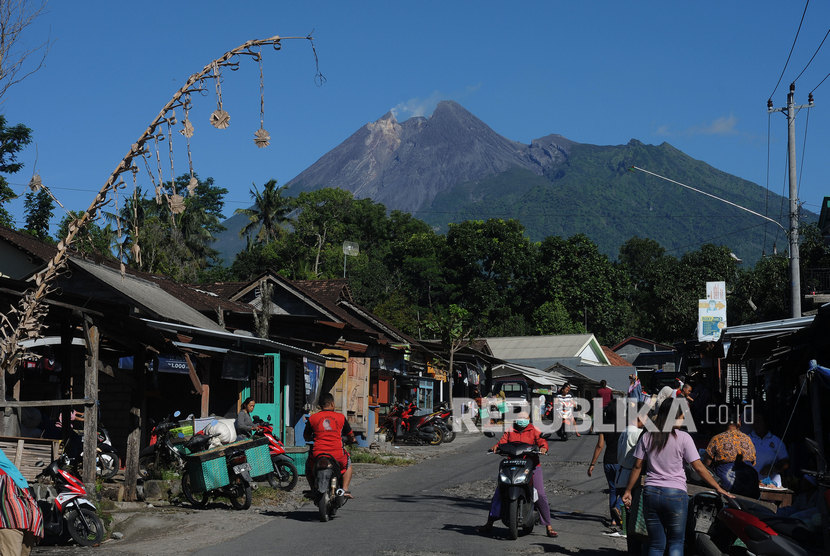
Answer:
x=30 y=312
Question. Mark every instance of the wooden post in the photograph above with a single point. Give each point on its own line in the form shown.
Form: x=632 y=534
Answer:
x=91 y=413
x=67 y=364
x=136 y=423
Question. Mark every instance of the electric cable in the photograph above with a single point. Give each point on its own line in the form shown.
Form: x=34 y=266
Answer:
x=819 y=83
x=803 y=154
x=814 y=55
x=791 y=48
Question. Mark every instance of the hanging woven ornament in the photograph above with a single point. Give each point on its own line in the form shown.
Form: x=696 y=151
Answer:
x=219 y=119
x=261 y=137
x=191 y=186
x=176 y=202
x=35 y=183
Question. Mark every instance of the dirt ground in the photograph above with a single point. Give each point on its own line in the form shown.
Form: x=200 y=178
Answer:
x=179 y=529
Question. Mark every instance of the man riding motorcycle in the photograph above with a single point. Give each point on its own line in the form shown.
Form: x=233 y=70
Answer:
x=327 y=429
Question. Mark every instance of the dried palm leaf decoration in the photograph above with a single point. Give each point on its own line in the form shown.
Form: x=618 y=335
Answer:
x=219 y=119
x=261 y=137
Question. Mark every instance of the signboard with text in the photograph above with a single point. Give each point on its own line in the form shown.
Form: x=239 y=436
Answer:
x=712 y=312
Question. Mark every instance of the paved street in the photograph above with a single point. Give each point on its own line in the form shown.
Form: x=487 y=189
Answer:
x=433 y=508
x=429 y=508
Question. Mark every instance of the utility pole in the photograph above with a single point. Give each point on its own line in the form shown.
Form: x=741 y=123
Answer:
x=795 y=274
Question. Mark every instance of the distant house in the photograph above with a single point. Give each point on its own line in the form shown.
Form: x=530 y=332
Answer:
x=643 y=353
x=578 y=358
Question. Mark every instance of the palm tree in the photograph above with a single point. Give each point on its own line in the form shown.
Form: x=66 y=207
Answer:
x=269 y=212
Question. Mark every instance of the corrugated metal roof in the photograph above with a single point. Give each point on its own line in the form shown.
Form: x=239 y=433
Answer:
x=148 y=294
x=538 y=347
x=239 y=338
x=533 y=374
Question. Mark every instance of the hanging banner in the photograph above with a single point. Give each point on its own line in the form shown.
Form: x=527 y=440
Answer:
x=313 y=378
x=712 y=312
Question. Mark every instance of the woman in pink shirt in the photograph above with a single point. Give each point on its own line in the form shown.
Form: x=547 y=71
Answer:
x=665 y=502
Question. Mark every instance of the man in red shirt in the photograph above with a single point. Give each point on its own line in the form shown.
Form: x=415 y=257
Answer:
x=327 y=429
x=605 y=393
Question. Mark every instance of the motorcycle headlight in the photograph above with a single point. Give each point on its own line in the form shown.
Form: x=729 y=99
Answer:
x=521 y=479
x=504 y=478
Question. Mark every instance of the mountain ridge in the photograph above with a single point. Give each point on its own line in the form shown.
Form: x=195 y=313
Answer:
x=452 y=167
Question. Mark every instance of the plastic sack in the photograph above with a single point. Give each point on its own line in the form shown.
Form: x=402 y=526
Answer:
x=226 y=433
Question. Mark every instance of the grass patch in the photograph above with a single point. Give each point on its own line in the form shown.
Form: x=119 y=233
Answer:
x=268 y=495
x=362 y=455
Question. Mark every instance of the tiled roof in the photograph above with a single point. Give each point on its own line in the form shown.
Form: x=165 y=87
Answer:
x=225 y=290
x=29 y=244
x=614 y=359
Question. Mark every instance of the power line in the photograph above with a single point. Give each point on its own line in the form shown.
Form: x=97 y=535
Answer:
x=803 y=154
x=791 y=48
x=709 y=240
x=814 y=55
x=819 y=83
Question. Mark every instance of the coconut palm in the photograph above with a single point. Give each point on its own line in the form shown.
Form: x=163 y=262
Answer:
x=269 y=212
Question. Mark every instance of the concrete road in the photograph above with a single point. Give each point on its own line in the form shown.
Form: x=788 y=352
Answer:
x=435 y=506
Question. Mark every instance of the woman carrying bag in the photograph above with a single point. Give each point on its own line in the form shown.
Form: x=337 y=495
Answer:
x=665 y=501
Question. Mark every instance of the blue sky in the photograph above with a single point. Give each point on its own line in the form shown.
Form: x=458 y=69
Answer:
x=693 y=74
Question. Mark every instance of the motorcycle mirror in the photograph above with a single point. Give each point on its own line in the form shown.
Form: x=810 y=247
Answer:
x=177 y=413
x=268 y=418
x=489 y=434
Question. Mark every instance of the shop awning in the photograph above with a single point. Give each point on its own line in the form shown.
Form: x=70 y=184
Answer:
x=210 y=340
x=531 y=373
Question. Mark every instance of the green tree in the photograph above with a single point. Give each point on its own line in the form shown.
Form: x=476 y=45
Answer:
x=12 y=141
x=488 y=263
x=90 y=239
x=451 y=326
x=589 y=286
x=180 y=248
x=38 y=209
x=269 y=213
x=551 y=317
x=319 y=227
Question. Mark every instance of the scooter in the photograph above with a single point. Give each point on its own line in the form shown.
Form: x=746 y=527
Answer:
x=327 y=486
x=107 y=462
x=161 y=452
x=444 y=422
x=516 y=492
x=238 y=490
x=284 y=476
x=399 y=425
x=65 y=507
x=715 y=522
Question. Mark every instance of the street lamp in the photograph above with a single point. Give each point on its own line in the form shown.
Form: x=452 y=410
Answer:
x=795 y=277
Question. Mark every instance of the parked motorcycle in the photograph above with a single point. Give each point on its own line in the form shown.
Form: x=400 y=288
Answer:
x=715 y=522
x=444 y=422
x=516 y=492
x=401 y=425
x=327 y=486
x=238 y=490
x=65 y=507
x=107 y=462
x=284 y=476
x=161 y=453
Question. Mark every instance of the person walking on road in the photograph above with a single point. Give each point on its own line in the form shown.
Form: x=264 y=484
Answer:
x=665 y=501
x=524 y=432
x=608 y=441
